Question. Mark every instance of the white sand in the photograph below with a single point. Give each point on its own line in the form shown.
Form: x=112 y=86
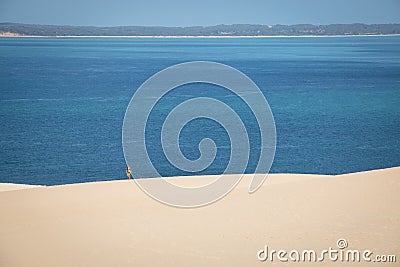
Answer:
x=11 y=187
x=116 y=224
x=199 y=36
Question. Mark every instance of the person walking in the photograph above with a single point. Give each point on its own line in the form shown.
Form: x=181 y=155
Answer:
x=128 y=172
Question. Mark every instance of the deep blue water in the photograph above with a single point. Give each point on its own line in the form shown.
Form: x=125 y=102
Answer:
x=336 y=103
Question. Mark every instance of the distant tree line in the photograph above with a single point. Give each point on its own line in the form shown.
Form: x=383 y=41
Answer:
x=218 y=30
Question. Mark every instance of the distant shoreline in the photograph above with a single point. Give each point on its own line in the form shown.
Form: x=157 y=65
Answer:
x=212 y=31
x=199 y=37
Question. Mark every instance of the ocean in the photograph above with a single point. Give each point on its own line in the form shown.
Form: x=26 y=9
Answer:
x=335 y=101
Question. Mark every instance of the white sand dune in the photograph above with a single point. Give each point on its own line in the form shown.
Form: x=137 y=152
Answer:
x=116 y=224
x=11 y=187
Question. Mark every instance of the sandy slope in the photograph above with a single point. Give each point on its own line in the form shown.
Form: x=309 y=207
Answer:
x=11 y=187
x=116 y=224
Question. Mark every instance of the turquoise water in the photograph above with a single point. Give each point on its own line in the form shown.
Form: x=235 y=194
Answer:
x=62 y=102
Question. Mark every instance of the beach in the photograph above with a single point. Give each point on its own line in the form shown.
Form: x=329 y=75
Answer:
x=114 y=223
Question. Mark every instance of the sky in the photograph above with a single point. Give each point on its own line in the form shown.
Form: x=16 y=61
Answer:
x=199 y=13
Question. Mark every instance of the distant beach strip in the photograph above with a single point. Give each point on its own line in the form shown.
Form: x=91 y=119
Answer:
x=197 y=37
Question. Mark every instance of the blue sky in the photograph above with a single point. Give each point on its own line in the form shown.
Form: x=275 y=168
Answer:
x=205 y=12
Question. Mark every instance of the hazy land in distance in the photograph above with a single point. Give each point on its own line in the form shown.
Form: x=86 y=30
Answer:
x=236 y=30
